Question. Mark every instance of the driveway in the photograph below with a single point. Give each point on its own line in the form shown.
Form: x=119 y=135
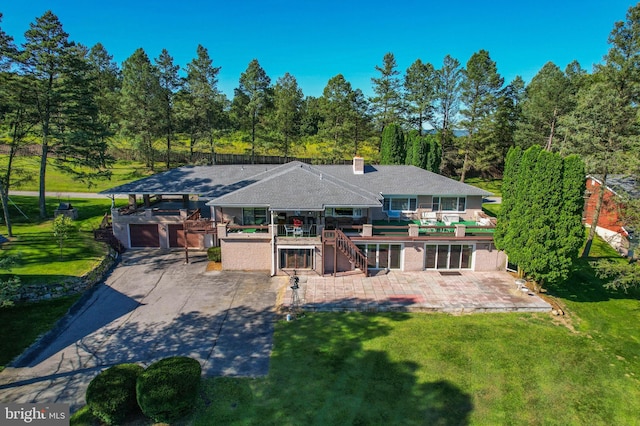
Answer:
x=151 y=306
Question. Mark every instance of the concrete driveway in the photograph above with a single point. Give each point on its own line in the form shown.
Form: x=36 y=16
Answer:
x=151 y=306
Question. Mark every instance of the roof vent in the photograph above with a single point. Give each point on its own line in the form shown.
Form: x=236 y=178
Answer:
x=358 y=165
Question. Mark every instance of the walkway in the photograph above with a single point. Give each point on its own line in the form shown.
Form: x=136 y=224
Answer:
x=453 y=292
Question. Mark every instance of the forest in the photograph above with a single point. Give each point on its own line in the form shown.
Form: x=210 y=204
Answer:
x=75 y=104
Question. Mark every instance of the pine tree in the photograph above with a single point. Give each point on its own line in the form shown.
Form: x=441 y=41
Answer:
x=387 y=102
x=287 y=100
x=254 y=100
x=169 y=83
x=142 y=103
x=45 y=51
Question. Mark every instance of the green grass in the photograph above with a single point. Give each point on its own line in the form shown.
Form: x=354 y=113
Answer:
x=491 y=185
x=57 y=181
x=40 y=260
x=484 y=369
x=22 y=324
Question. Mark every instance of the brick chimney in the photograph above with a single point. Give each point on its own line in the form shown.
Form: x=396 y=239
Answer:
x=358 y=165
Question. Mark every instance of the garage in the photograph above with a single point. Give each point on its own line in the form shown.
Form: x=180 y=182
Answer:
x=144 y=235
x=176 y=237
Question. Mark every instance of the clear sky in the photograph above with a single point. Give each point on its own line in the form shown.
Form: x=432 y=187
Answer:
x=316 y=40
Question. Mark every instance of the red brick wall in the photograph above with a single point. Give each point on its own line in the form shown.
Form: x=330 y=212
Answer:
x=609 y=215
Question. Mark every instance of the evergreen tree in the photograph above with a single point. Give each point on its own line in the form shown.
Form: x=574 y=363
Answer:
x=142 y=103
x=45 y=51
x=287 y=100
x=480 y=88
x=447 y=101
x=393 y=150
x=508 y=115
x=254 y=100
x=387 y=102
x=82 y=136
x=105 y=76
x=336 y=105
x=547 y=98
x=420 y=93
x=540 y=222
x=362 y=125
x=202 y=106
x=169 y=83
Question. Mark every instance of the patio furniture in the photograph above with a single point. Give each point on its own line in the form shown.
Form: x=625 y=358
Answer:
x=288 y=229
x=429 y=218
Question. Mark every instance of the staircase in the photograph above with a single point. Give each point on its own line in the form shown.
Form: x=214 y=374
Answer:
x=337 y=238
x=105 y=235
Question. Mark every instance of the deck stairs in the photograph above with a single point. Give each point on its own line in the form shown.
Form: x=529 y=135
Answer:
x=344 y=245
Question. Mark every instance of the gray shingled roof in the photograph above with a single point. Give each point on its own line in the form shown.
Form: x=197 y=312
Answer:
x=622 y=185
x=296 y=185
x=300 y=187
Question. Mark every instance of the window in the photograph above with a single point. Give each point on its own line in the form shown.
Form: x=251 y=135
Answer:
x=448 y=256
x=296 y=258
x=405 y=204
x=254 y=216
x=382 y=256
x=343 y=212
x=449 y=204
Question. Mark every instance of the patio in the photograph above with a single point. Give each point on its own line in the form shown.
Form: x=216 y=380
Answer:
x=455 y=292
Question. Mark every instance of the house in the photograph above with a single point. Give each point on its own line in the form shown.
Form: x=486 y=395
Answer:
x=610 y=225
x=324 y=219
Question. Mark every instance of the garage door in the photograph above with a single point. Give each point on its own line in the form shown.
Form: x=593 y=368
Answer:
x=176 y=237
x=144 y=235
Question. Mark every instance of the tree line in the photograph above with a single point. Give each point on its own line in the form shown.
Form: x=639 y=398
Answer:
x=456 y=119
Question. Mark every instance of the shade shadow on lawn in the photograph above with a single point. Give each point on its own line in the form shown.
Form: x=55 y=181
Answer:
x=321 y=374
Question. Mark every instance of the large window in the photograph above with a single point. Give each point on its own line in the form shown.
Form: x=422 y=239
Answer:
x=402 y=204
x=254 y=216
x=448 y=256
x=343 y=212
x=296 y=258
x=382 y=256
x=449 y=204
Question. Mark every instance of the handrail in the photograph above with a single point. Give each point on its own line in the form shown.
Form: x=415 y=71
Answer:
x=346 y=246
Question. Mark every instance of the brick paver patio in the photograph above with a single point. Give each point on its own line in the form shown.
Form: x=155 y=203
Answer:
x=416 y=291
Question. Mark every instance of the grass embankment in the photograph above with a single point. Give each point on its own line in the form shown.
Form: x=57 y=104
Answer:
x=41 y=262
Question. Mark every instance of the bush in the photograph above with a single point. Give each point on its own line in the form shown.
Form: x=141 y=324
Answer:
x=111 y=395
x=214 y=254
x=168 y=388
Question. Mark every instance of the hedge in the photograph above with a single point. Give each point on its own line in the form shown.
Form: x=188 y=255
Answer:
x=168 y=388
x=111 y=395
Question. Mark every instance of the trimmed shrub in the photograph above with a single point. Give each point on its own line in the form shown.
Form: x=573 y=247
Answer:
x=111 y=395
x=168 y=388
x=214 y=254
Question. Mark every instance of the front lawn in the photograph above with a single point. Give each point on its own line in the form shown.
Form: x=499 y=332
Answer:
x=40 y=260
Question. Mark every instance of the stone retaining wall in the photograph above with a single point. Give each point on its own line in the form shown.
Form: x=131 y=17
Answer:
x=70 y=286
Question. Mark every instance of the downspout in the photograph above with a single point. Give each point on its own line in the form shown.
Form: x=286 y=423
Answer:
x=274 y=231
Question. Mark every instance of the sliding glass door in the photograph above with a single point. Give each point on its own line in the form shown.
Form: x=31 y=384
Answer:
x=449 y=256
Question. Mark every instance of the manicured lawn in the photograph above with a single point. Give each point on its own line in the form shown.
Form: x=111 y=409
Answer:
x=57 y=181
x=491 y=185
x=22 y=324
x=40 y=260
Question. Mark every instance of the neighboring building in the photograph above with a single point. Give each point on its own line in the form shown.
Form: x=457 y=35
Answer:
x=315 y=219
x=610 y=226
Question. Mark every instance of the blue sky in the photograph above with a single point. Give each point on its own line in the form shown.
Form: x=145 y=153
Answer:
x=316 y=40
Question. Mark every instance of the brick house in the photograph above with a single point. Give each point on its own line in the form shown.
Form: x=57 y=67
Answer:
x=323 y=219
x=610 y=225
